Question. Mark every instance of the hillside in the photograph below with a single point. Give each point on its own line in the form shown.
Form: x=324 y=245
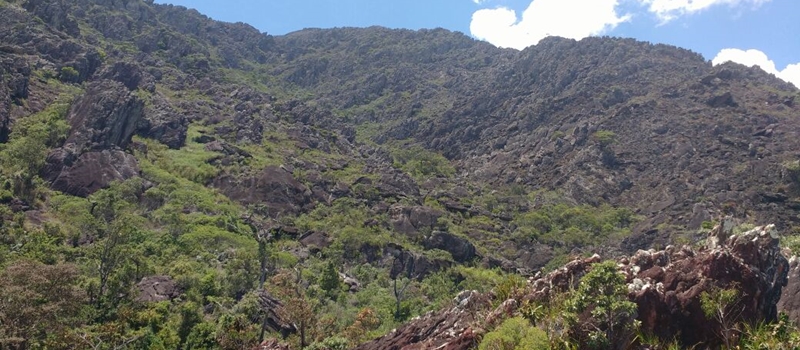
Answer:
x=188 y=183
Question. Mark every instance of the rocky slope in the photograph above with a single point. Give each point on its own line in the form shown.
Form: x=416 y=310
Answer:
x=684 y=140
x=418 y=155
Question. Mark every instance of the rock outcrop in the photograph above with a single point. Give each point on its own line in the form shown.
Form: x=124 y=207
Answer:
x=102 y=122
x=665 y=285
x=157 y=288
x=272 y=308
x=451 y=329
x=409 y=264
x=411 y=220
x=274 y=188
x=460 y=248
x=790 y=296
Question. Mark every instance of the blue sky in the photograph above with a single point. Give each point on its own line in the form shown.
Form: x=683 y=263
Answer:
x=751 y=32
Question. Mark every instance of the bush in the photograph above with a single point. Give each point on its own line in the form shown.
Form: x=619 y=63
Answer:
x=562 y=224
x=69 y=75
x=332 y=343
x=515 y=333
x=792 y=169
x=604 y=137
x=603 y=293
x=421 y=163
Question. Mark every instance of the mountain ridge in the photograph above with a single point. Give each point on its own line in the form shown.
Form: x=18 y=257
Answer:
x=214 y=158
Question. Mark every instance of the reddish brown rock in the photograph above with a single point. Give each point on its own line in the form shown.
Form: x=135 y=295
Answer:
x=452 y=328
x=667 y=285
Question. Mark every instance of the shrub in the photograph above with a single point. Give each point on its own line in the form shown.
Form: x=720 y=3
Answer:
x=69 y=75
x=603 y=293
x=515 y=333
x=331 y=343
x=792 y=169
x=330 y=282
x=421 y=163
x=604 y=137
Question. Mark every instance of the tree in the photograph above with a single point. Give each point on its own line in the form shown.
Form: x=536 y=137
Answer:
x=330 y=282
x=366 y=320
x=402 y=269
x=38 y=300
x=26 y=151
x=296 y=307
x=602 y=293
x=723 y=306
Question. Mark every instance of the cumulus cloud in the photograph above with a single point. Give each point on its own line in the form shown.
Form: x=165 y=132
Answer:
x=757 y=58
x=575 y=19
x=668 y=10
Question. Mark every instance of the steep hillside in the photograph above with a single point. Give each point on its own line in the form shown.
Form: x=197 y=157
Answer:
x=189 y=183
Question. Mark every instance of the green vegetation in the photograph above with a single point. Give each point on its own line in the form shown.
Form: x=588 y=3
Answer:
x=568 y=226
x=515 y=334
x=24 y=154
x=191 y=162
x=604 y=294
x=604 y=138
x=724 y=307
x=70 y=267
x=421 y=163
x=69 y=75
x=792 y=169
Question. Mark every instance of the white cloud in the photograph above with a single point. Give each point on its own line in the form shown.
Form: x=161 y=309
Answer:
x=668 y=10
x=575 y=19
x=757 y=58
x=479 y=1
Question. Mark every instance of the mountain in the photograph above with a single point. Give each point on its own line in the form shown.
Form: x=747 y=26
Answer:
x=160 y=167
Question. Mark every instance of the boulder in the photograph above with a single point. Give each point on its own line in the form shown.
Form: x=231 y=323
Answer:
x=460 y=248
x=412 y=265
x=102 y=123
x=447 y=329
x=104 y=117
x=411 y=220
x=92 y=171
x=397 y=184
x=127 y=73
x=316 y=240
x=157 y=288
x=723 y=100
x=273 y=309
x=790 y=295
x=667 y=285
x=274 y=188
x=162 y=122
